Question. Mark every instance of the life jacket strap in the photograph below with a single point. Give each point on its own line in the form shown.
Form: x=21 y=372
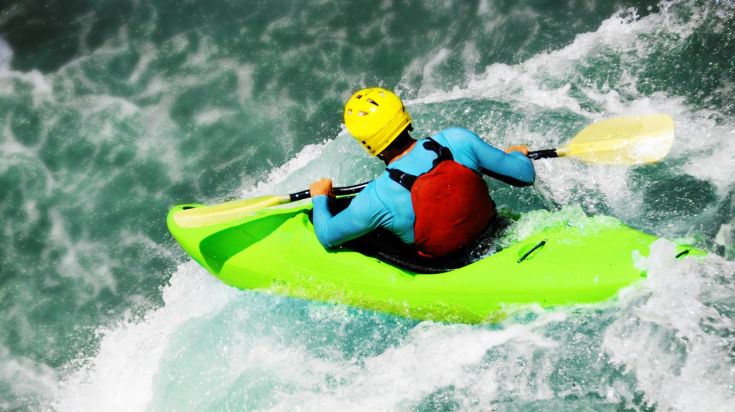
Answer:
x=406 y=179
x=402 y=178
x=442 y=153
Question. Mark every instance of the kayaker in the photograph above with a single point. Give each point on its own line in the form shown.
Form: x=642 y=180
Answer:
x=431 y=195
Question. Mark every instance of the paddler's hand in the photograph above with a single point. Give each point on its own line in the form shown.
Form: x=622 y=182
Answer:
x=321 y=187
x=522 y=148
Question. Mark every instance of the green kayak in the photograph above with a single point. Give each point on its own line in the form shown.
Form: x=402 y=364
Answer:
x=275 y=250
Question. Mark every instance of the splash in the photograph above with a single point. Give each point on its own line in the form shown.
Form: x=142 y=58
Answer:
x=121 y=374
x=675 y=338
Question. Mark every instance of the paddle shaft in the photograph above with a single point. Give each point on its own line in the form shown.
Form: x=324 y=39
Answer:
x=632 y=129
x=354 y=189
x=587 y=141
x=629 y=140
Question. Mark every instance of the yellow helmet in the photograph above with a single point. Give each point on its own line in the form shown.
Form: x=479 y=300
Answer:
x=375 y=117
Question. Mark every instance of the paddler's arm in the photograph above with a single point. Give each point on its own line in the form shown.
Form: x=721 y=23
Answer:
x=510 y=166
x=362 y=216
x=468 y=148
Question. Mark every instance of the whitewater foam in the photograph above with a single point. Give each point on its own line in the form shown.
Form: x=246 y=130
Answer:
x=120 y=376
x=673 y=338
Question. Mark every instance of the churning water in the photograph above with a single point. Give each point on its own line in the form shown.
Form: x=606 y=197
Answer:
x=112 y=111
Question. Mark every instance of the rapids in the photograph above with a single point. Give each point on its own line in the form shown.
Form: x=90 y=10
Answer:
x=112 y=111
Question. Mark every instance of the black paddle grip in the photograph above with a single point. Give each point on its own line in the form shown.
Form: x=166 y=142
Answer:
x=543 y=154
x=338 y=191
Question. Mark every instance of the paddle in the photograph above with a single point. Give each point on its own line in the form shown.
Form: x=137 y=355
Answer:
x=626 y=140
x=629 y=140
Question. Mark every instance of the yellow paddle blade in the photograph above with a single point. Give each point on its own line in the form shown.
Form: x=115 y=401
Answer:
x=224 y=212
x=626 y=140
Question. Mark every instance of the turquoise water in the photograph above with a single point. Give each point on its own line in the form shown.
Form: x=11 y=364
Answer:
x=112 y=111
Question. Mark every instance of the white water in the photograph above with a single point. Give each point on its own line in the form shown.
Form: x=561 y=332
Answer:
x=666 y=340
x=211 y=346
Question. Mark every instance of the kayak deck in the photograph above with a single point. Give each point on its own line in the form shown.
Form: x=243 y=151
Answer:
x=276 y=250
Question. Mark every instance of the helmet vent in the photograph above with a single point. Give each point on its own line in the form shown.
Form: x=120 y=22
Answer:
x=369 y=100
x=362 y=113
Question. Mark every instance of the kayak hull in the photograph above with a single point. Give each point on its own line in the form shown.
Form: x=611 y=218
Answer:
x=276 y=250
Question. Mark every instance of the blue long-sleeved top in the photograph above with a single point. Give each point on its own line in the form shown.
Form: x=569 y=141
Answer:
x=385 y=203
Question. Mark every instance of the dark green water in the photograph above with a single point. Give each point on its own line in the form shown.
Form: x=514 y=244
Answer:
x=112 y=111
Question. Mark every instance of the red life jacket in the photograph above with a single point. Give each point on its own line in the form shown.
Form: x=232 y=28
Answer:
x=451 y=202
